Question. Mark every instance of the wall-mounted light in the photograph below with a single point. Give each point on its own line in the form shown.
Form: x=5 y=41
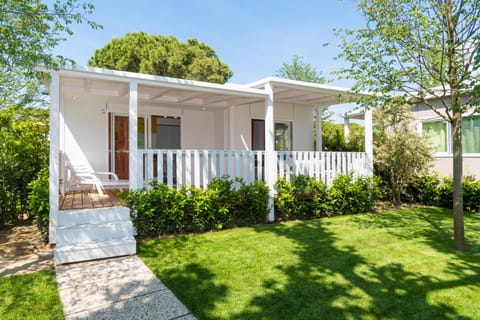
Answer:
x=204 y=108
x=105 y=110
x=74 y=97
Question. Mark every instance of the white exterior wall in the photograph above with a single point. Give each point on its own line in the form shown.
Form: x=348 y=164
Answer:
x=85 y=135
x=299 y=115
x=197 y=129
x=443 y=164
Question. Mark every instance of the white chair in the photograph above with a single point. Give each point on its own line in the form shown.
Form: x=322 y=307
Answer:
x=82 y=175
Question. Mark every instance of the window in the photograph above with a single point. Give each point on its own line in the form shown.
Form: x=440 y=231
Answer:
x=283 y=138
x=471 y=135
x=165 y=132
x=437 y=134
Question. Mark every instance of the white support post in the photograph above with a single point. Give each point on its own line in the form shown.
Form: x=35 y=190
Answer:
x=270 y=156
x=346 y=128
x=133 y=172
x=369 y=140
x=319 y=111
x=54 y=164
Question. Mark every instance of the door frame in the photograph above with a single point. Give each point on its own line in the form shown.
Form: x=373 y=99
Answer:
x=111 y=135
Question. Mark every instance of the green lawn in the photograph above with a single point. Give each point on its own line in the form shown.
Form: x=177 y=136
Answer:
x=30 y=296
x=390 y=265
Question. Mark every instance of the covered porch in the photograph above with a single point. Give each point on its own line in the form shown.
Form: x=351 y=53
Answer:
x=143 y=128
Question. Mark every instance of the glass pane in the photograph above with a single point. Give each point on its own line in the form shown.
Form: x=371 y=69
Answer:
x=437 y=134
x=282 y=137
x=258 y=134
x=471 y=135
x=165 y=132
x=141 y=133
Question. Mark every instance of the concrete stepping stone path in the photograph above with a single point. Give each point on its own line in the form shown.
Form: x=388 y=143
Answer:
x=117 y=288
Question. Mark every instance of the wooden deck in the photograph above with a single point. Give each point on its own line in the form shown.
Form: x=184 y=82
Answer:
x=88 y=199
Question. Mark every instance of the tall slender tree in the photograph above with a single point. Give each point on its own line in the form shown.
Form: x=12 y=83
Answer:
x=424 y=49
x=298 y=69
x=29 y=30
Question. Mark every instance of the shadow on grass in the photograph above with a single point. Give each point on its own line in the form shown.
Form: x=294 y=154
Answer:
x=338 y=283
x=331 y=281
x=433 y=226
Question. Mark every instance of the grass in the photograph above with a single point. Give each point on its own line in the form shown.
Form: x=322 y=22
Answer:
x=390 y=265
x=30 y=296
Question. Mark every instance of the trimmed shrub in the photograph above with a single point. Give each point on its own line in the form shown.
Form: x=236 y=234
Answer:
x=225 y=203
x=305 y=197
x=436 y=191
x=423 y=189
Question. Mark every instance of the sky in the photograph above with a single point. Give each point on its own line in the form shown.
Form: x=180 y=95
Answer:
x=253 y=37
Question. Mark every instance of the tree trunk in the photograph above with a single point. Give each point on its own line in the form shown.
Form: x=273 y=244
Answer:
x=456 y=121
x=458 y=224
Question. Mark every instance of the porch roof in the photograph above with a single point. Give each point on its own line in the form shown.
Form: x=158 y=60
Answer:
x=157 y=89
x=154 y=89
x=301 y=92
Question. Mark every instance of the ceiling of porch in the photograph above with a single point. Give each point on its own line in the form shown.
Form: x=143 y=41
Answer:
x=115 y=85
x=300 y=92
x=175 y=92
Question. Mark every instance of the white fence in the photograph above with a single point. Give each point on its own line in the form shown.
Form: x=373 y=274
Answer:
x=322 y=165
x=199 y=167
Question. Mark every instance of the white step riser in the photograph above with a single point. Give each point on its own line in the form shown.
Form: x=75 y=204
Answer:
x=100 y=252
x=93 y=233
x=93 y=216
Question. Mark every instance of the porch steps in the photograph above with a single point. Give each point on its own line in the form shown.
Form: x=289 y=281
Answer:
x=89 y=234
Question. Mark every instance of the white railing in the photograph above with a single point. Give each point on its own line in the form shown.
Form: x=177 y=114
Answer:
x=199 y=167
x=322 y=165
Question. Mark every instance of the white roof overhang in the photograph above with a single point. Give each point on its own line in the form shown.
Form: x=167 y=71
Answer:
x=300 y=92
x=154 y=89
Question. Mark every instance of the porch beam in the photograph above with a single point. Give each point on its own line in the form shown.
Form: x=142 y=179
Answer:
x=270 y=156
x=189 y=96
x=319 y=111
x=214 y=99
x=369 y=139
x=132 y=137
x=54 y=164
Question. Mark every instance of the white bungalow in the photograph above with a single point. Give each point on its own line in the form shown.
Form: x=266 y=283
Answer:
x=143 y=127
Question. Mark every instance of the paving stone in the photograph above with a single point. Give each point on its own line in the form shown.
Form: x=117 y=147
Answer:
x=160 y=306
x=118 y=288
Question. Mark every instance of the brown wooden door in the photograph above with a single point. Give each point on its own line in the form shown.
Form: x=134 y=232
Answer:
x=121 y=146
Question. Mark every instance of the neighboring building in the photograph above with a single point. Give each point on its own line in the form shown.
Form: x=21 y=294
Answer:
x=440 y=134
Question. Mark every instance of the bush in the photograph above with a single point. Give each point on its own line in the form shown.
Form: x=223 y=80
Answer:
x=435 y=191
x=251 y=207
x=349 y=196
x=224 y=204
x=38 y=202
x=423 y=189
x=305 y=197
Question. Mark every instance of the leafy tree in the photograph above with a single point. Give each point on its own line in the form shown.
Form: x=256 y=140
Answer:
x=401 y=154
x=29 y=29
x=333 y=138
x=423 y=49
x=300 y=70
x=162 y=55
x=23 y=152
